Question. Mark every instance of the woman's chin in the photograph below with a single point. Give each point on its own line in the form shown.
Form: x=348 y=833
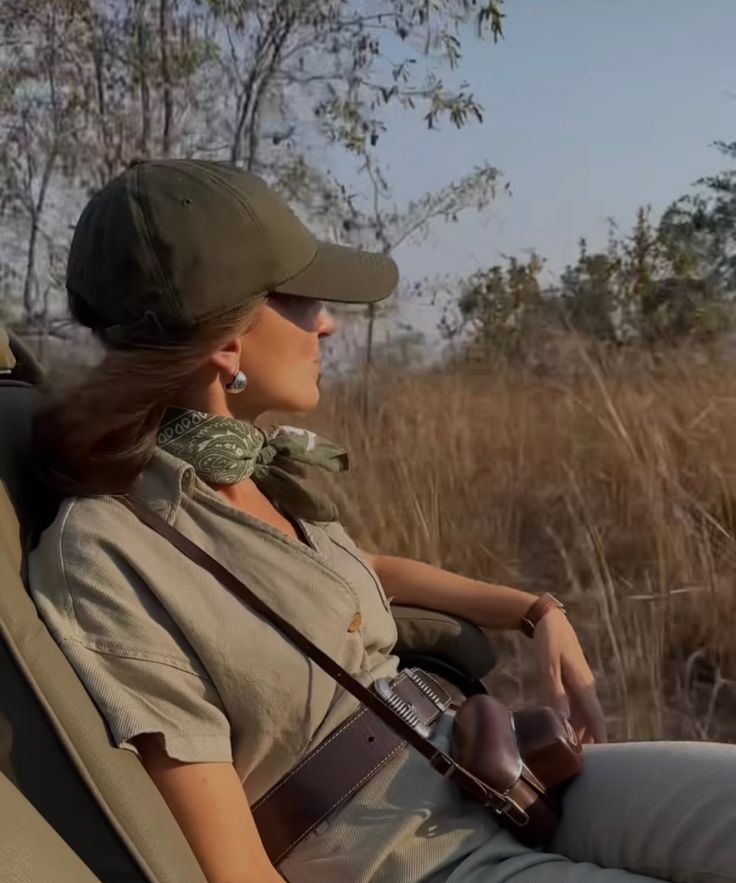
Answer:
x=303 y=402
x=312 y=401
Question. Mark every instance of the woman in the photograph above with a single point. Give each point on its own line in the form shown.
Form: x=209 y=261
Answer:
x=207 y=292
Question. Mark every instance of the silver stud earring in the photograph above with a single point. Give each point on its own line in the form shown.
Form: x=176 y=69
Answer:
x=237 y=384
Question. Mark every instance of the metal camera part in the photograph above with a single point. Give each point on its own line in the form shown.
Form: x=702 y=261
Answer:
x=401 y=707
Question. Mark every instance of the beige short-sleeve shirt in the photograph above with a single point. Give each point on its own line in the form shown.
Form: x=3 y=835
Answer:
x=163 y=647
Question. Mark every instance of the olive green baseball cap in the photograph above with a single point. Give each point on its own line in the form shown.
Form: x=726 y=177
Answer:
x=169 y=243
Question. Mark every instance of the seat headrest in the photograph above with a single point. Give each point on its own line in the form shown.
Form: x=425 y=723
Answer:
x=17 y=361
x=7 y=359
x=33 y=504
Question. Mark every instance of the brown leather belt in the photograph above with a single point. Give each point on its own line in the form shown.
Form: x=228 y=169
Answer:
x=338 y=768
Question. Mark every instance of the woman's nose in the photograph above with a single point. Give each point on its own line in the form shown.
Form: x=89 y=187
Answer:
x=326 y=323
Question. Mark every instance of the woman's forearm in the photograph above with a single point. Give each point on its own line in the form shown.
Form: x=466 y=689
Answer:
x=209 y=804
x=422 y=585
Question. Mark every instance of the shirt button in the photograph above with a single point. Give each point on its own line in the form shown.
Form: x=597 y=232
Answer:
x=356 y=623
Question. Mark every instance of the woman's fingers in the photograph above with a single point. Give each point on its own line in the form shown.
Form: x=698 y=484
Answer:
x=587 y=717
x=553 y=687
x=581 y=709
x=566 y=677
x=558 y=697
x=594 y=714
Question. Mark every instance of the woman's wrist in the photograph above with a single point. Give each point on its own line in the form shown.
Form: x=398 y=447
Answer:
x=500 y=607
x=537 y=611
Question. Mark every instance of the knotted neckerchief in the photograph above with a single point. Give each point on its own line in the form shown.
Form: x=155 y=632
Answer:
x=224 y=450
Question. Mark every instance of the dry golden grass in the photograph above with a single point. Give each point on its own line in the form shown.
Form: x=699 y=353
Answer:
x=613 y=485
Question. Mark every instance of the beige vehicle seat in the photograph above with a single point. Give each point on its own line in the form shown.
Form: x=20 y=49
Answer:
x=30 y=850
x=54 y=746
x=61 y=779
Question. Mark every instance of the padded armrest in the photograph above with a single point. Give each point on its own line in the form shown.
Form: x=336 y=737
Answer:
x=454 y=640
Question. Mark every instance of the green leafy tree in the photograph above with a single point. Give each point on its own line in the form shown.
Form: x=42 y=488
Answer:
x=651 y=286
x=79 y=94
x=324 y=64
x=700 y=228
x=274 y=85
x=645 y=288
x=667 y=295
x=643 y=267
x=388 y=226
x=589 y=294
x=40 y=114
x=498 y=309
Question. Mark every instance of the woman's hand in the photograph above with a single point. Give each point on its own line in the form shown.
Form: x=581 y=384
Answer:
x=567 y=680
x=566 y=676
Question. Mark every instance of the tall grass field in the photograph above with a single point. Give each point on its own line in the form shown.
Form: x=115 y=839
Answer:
x=611 y=483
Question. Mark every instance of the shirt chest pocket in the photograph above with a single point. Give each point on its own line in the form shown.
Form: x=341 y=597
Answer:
x=361 y=577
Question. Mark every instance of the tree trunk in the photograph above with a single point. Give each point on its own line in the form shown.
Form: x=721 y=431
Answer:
x=36 y=210
x=101 y=106
x=246 y=120
x=368 y=365
x=30 y=273
x=236 y=148
x=164 y=7
x=255 y=116
x=145 y=92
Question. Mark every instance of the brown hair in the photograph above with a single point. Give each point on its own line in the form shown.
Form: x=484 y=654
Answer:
x=97 y=436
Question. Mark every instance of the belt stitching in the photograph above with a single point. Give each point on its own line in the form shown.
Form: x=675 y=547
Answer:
x=349 y=794
x=344 y=797
x=310 y=757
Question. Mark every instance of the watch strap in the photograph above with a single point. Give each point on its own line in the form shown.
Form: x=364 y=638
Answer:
x=537 y=611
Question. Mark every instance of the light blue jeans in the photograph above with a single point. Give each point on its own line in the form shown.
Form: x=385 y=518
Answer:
x=638 y=812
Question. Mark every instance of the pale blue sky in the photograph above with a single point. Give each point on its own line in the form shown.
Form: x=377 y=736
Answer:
x=593 y=107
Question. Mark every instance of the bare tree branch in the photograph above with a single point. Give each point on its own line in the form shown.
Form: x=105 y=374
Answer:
x=165 y=76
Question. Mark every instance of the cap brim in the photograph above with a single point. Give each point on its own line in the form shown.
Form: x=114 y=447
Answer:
x=345 y=275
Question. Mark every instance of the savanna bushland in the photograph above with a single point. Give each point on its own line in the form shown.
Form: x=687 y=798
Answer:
x=573 y=436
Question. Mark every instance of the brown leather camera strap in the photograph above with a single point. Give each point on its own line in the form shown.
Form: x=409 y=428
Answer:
x=332 y=773
x=439 y=760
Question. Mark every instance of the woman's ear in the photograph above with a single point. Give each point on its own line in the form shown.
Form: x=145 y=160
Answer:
x=226 y=359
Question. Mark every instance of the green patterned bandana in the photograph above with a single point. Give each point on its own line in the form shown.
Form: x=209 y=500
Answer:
x=223 y=451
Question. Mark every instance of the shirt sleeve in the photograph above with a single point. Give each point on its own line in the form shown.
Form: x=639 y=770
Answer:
x=131 y=656
x=137 y=696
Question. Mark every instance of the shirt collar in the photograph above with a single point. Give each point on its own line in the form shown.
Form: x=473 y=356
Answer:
x=164 y=482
